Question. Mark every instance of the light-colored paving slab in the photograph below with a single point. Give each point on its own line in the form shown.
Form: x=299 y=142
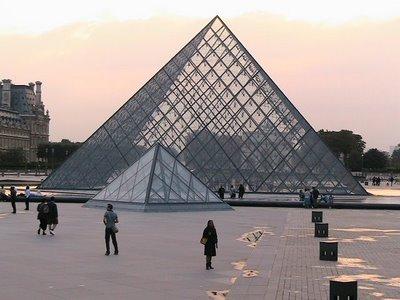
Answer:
x=161 y=257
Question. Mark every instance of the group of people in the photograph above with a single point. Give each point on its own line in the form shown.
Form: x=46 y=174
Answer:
x=47 y=216
x=309 y=197
x=13 y=197
x=232 y=191
x=376 y=181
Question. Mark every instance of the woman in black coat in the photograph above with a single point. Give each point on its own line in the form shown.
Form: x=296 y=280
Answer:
x=210 y=234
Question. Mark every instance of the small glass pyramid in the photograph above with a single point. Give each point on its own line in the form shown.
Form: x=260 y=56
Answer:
x=158 y=182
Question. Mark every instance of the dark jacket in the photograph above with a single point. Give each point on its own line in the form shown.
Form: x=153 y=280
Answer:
x=53 y=211
x=13 y=195
x=212 y=239
x=42 y=211
x=315 y=194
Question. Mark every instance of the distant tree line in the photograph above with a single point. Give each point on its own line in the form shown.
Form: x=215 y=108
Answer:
x=55 y=153
x=349 y=147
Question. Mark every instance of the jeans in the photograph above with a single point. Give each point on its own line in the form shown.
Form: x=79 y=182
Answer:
x=109 y=232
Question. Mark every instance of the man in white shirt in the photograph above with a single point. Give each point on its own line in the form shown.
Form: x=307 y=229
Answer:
x=27 y=196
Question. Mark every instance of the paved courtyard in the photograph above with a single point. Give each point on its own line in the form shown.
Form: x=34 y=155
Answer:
x=161 y=257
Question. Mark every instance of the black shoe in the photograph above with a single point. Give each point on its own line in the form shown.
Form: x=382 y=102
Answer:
x=51 y=232
x=26 y=209
x=44 y=233
x=38 y=231
x=211 y=267
x=14 y=212
x=207 y=266
x=115 y=252
x=107 y=253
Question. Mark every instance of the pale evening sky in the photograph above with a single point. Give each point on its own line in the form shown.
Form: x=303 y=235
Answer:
x=337 y=61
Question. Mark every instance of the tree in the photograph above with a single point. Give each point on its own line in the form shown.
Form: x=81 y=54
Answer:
x=12 y=158
x=346 y=143
x=57 y=152
x=395 y=158
x=376 y=160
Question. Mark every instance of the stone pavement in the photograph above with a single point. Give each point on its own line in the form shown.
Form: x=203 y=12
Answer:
x=161 y=257
x=289 y=266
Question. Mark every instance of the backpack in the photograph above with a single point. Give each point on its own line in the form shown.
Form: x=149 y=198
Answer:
x=45 y=209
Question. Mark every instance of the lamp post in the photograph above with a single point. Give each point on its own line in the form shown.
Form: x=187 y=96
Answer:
x=52 y=159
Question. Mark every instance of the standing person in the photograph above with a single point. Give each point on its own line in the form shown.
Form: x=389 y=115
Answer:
x=391 y=179
x=27 y=197
x=210 y=240
x=241 y=191
x=301 y=195
x=13 y=198
x=43 y=214
x=221 y=192
x=314 y=197
x=110 y=219
x=307 y=198
x=3 y=196
x=233 y=192
x=53 y=215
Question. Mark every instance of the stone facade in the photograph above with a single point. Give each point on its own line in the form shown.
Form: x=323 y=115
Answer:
x=24 y=123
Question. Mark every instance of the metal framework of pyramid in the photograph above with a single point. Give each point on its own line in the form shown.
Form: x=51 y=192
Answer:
x=223 y=117
x=158 y=182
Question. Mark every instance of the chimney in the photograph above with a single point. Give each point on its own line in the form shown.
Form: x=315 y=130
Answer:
x=32 y=86
x=38 y=98
x=6 y=93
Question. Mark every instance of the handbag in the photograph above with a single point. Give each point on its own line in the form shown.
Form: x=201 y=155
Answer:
x=203 y=240
x=115 y=229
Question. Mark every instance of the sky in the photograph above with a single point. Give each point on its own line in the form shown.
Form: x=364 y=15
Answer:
x=337 y=61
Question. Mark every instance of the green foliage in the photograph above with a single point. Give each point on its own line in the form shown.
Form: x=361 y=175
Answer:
x=395 y=159
x=376 y=160
x=12 y=158
x=346 y=143
x=57 y=152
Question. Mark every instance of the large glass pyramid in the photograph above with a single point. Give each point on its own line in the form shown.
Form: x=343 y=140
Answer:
x=223 y=117
x=158 y=182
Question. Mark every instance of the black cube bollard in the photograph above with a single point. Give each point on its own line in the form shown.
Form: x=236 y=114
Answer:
x=316 y=216
x=321 y=230
x=328 y=251
x=342 y=290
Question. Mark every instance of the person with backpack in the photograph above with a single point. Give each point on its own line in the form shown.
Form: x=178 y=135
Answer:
x=110 y=219
x=53 y=215
x=43 y=214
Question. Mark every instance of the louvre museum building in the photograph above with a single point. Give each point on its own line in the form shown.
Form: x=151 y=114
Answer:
x=222 y=117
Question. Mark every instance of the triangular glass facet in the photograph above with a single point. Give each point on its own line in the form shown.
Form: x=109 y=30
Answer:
x=218 y=111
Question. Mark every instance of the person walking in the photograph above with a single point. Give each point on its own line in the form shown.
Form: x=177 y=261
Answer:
x=241 y=191
x=53 y=215
x=13 y=198
x=221 y=192
x=210 y=242
x=43 y=214
x=27 y=197
x=110 y=219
